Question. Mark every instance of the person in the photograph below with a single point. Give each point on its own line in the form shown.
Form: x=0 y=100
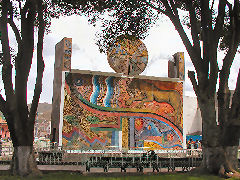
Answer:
x=196 y=144
x=190 y=144
x=200 y=144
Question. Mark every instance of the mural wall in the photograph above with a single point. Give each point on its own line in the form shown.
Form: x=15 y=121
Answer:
x=102 y=111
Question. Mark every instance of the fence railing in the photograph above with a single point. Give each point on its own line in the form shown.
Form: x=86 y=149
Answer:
x=111 y=158
x=59 y=155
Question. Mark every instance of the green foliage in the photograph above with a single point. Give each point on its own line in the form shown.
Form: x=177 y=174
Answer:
x=128 y=17
x=13 y=55
x=135 y=18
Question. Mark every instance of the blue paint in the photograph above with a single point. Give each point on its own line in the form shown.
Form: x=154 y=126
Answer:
x=194 y=137
x=153 y=130
x=110 y=90
x=161 y=122
x=113 y=139
x=96 y=90
x=116 y=138
x=131 y=132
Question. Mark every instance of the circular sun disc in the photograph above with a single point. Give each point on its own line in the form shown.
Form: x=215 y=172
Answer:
x=128 y=56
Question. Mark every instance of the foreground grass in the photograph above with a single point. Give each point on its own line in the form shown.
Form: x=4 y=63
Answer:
x=118 y=176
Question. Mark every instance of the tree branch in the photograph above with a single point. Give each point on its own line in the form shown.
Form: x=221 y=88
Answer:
x=169 y=10
x=191 y=51
x=223 y=91
x=27 y=31
x=209 y=48
x=212 y=5
x=174 y=8
x=28 y=14
x=154 y=7
x=195 y=30
x=232 y=49
x=218 y=29
x=225 y=71
x=235 y=107
x=191 y=75
x=23 y=11
x=206 y=24
x=13 y=25
x=7 y=66
x=227 y=63
x=3 y=105
x=40 y=65
x=217 y=32
x=15 y=30
x=23 y=61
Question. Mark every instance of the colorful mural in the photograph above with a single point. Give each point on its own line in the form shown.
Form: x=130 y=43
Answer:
x=128 y=55
x=102 y=111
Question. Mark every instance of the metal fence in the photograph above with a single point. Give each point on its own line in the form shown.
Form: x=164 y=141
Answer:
x=6 y=153
x=112 y=158
x=52 y=154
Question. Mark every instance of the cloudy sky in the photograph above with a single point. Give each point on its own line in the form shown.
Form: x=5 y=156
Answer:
x=163 y=41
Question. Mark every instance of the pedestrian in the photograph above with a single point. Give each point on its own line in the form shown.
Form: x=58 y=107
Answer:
x=196 y=144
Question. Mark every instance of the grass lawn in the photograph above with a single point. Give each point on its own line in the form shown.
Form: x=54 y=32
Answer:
x=118 y=176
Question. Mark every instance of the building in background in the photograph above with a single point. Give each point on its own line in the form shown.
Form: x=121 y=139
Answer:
x=4 y=132
x=42 y=127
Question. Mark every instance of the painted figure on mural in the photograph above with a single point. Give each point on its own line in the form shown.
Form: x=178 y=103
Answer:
x=149 y=93
x=155 y=134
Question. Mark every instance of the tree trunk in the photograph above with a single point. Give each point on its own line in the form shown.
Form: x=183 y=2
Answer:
x=23 y=161
x=212 y=159
x=219 y=155
x=221 y=160
x=210 y=128
x=211 y=150
x=231 y=158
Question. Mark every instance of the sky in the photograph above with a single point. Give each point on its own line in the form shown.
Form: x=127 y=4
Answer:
x=163 y=41
x=161 y=44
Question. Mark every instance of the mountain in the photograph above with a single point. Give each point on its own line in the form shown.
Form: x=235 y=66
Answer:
x=44 y=112
x=43 y=107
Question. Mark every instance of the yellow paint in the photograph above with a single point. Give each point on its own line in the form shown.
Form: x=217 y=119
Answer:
x=151 y=145
x=125 y=132
x=181 y=66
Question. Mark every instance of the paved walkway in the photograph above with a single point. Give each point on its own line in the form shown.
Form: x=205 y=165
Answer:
x=51 y=168
x=75 y=168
